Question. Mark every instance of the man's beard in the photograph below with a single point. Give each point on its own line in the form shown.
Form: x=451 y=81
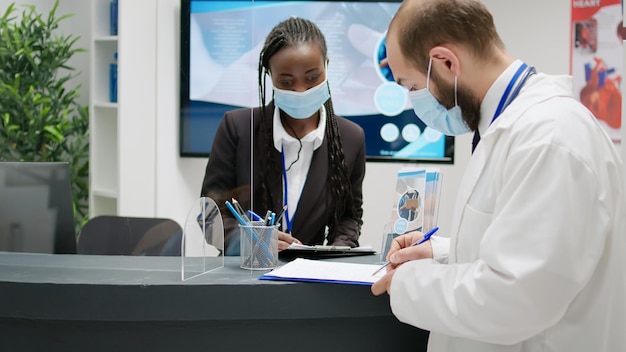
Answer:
x=470 y=106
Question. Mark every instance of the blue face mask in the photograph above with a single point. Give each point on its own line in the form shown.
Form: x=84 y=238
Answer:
x=447 y=121
x=302 y=105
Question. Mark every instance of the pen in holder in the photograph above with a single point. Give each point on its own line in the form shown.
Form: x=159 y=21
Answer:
x=259 y=242
x=259 y=246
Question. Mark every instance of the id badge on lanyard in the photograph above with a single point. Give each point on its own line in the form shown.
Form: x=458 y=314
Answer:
x=288 y=219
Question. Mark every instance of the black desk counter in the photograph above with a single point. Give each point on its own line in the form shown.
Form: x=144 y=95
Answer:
x=117 y=303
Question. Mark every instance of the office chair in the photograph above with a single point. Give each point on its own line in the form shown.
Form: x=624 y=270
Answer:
x=119 y=235
x=36 y=212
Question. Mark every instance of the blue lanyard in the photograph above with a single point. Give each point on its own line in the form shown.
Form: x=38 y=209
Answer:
x=286 y=198
x=513 y=89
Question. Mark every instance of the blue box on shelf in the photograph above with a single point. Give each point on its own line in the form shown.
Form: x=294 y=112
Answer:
x=113 y=17
x=113 y=80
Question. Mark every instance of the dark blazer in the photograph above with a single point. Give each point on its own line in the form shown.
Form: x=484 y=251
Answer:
x=228 y=174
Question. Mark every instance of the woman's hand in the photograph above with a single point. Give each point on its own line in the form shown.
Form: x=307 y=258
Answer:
x=285 y=240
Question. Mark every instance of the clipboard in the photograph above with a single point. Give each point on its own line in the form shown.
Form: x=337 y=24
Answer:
x=322 y=252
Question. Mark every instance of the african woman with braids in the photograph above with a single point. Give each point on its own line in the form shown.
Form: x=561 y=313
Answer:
x=295 y=151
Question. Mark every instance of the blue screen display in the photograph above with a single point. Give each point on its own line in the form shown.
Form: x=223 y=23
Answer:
x=220 y=45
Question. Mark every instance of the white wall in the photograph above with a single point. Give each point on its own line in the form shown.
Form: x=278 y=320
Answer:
x=531 y=29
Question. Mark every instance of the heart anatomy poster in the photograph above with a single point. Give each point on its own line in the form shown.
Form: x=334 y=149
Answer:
x=597 y=60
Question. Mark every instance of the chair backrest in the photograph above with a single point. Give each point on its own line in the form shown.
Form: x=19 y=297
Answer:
x=119 y=235
x=36 y=211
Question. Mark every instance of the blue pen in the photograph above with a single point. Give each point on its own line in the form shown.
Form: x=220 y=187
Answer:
x=272 y=219
x=424 y=239
x=236 y=214
x=254 y=216
x=426 y=236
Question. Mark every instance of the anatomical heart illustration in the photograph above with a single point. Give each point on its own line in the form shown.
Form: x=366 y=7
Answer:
x=602 y=93
x=598 y=60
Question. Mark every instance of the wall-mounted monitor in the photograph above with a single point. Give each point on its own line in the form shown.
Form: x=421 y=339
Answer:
x=220 y=45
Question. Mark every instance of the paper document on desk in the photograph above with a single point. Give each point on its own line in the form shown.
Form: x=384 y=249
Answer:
x=309 y=270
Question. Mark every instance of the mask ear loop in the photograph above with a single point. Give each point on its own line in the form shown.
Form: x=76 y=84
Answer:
x=455 y=95
x=430 y=65
x=269 y=74
x=326 y=76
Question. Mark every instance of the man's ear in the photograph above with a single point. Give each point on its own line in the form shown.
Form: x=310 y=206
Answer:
x=446 y=60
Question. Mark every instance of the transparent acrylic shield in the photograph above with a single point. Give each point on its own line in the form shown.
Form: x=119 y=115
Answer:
x=203 y=236
x=388 y=236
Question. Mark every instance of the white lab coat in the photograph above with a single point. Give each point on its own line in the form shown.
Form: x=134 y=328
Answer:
x=537 y=250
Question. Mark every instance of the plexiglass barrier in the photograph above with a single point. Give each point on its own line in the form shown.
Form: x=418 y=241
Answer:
x=203 y=234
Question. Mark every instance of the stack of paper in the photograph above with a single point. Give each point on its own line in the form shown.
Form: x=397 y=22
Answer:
x=308 y=270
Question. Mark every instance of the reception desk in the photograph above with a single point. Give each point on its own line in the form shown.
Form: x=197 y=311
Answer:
x=117 y=303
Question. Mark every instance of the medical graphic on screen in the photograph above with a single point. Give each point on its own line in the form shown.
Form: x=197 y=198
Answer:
x=220 y=46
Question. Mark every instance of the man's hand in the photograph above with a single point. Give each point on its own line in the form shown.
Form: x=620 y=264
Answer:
x=402 y=248
x=401 y=251
x=381 y=286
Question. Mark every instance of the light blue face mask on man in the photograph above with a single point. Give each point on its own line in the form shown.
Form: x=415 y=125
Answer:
x=447 y=121
x=301 y=105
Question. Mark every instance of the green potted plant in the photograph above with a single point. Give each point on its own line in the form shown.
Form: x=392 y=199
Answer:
x=40 y=118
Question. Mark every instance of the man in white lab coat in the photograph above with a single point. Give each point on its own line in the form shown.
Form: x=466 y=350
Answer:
x=536 y=257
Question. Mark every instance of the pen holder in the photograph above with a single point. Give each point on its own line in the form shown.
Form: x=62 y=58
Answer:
x=259 y=246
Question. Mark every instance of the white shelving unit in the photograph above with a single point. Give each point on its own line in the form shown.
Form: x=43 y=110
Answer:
x=122 y=148
x=103 y=151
